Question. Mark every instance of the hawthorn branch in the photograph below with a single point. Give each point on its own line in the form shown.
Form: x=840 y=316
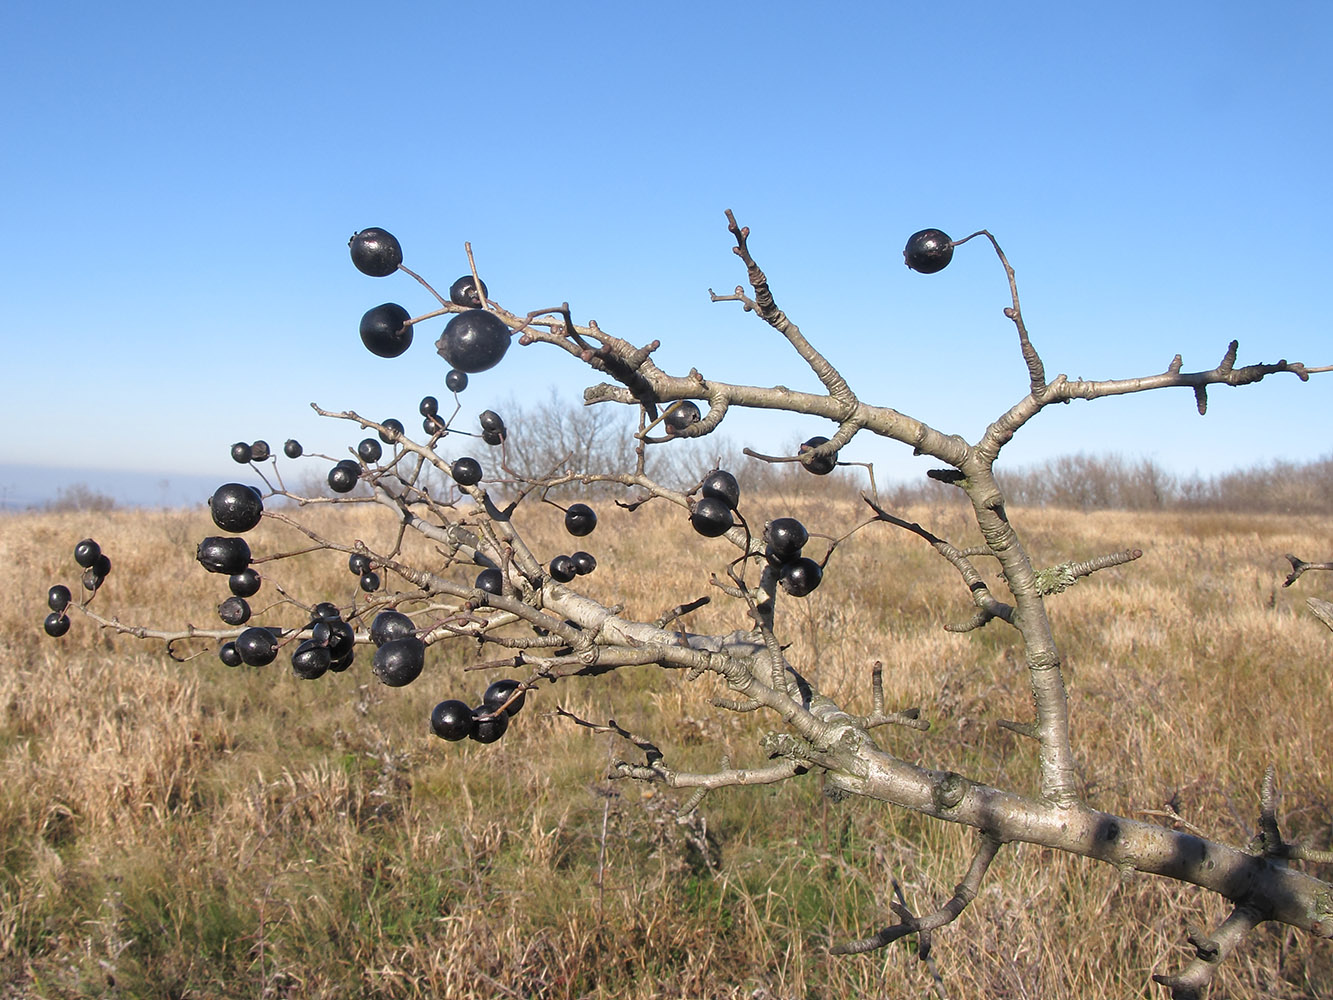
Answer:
x=1300 y=566
x=726 y=778
x=1209 y=953
x=764 y=307
x=987 y=606
x=1058 y=579
x=1322 y=610
x=1036 y=370
x=963 y=894
x=1062 y=390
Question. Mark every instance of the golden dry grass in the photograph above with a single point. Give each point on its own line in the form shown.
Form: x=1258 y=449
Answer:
x=185 y=830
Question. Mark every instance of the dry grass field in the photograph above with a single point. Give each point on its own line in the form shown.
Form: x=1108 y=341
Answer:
x=187 y=830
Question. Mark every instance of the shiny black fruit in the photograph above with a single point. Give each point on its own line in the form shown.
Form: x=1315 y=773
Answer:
x=498 y=693
x=721 y=486
x=325 y=611
x=292 y=448
x=370 y=582
x=463 y=292
x=682 y=415
x=928 y=251
x=466 y=471
x=488 y=727
x=390 y=625
x=474 y=341
x=259 y=451
x=820 y=466
x=491 y=581
x=311 y=660
x=711 y=517
x=399 y=661
x=58 y=597
x=800 y=576
x=562 y=569
x=580 y=519
x=245 y=583
x=258 y=647
x=241 y=453
x=785 y=536
x=343 y=478
x=235 y=507
x=342 y=642
x=340 y=663
x=86 y=553
x=220 y=554
x=385 y=330
x=429 y=406
x=375 y=252
x=584 y=563
x=455 y=381
x=493 y=438
x=393 y=430
x=451 y=720
x=56 y=624
x=370 y=451
x=229 y=655
x=358 y=563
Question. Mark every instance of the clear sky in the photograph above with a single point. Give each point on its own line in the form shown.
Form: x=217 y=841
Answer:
x=180 y=181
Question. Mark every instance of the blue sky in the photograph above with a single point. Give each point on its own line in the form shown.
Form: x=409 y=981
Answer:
x=181 y=181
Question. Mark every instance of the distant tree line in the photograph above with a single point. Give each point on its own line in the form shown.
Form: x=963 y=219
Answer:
x=555 y=433
x=1113 y=482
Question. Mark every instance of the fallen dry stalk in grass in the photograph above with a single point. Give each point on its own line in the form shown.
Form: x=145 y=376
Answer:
x=548 y=630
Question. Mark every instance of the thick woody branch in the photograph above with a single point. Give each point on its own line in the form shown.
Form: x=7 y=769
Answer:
x=1278 y=892
x=1322 y=610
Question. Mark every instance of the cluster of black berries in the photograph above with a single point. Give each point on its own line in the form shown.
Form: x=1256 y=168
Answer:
x=453 y=720
x=580 y=520
x=784 y=537
x=256 y=451
x=360 y=566
x=719 y=494
x=474 y=340
x=96 y=565
x=236 y=508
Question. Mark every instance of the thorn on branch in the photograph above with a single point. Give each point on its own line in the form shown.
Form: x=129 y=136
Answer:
x=1028 y=729
x=680 y=610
